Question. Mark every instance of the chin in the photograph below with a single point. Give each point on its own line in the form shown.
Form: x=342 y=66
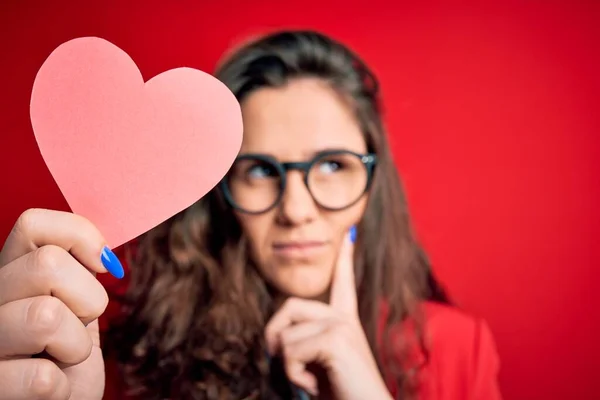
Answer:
x=307 y=288
x=304 y=280
x=307 y=293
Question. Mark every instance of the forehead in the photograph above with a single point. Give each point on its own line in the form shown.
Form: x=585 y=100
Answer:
x=299 y=119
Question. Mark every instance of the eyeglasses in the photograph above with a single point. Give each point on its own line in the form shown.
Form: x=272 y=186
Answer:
x=335 y=179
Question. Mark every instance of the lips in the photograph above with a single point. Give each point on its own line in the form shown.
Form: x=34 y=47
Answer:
x=298 y=248
x=298 y=244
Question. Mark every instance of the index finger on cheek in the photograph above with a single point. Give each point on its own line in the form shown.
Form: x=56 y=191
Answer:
x=343 y=286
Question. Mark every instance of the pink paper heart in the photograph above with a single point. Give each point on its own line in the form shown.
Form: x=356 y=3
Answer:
x=126 y=154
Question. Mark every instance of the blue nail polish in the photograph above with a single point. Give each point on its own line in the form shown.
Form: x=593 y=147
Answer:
x=353 y=234
x=112 y=263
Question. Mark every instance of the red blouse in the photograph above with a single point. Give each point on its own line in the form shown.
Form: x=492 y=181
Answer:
x=463 y=363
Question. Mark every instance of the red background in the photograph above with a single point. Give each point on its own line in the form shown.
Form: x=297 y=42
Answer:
x=493 y=115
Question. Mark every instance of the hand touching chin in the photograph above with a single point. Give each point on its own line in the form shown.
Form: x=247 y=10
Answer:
x=324 y=348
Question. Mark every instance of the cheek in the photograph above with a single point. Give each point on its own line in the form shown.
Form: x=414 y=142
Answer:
x=255 y=228
x=302 y=282
x=342 y=221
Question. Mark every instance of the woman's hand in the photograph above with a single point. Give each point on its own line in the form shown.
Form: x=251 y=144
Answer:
x=49 y=303
x=309 y=332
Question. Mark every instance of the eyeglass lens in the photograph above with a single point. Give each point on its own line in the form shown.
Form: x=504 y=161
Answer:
x=335 y=181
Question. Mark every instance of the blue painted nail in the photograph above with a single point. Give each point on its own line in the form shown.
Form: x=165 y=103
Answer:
x=112 y=263
x=353 y=234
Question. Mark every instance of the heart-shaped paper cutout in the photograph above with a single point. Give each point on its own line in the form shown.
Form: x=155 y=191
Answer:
x=129 y=154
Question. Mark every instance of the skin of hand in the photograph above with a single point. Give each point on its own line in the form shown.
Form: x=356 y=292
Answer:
x=50 y=301
x=308 y=333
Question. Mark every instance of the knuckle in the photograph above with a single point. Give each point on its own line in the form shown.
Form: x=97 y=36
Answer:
x=26 y=221
x=286 y=340
x=284 y=337
x=268 y=330
x=45 y=379
x=98 y=307
x=49 y=259
x=44 y=315
x=291 y=303
x=287 y=352
x=103 y=304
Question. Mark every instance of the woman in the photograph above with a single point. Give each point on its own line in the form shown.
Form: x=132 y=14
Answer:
x=257 y=290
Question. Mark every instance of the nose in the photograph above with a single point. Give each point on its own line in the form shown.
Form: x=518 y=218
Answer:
x=297 y=205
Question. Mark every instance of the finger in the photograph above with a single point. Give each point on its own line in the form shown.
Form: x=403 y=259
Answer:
x=52 y=271
x=301 y=353
x=43 y=324
x=79 y=376
x=294 y=333
x=299 y=376
x=37 y=227
x=31 y=378
x=343 y=286
x=293 y=311
x=302 y=331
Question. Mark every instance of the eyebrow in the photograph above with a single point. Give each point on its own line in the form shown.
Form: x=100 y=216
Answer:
x=308 y=155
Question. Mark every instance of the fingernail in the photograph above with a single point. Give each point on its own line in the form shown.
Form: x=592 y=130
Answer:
x=112 y=263
x=353 y=234
x=302 y=395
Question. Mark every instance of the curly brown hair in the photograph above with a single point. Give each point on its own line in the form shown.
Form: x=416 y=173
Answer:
x=196 y=307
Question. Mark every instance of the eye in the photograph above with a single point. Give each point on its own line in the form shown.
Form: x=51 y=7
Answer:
x=329 y=166
x=259 y=171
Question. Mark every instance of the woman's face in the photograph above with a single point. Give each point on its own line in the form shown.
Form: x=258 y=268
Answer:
x=295 y=244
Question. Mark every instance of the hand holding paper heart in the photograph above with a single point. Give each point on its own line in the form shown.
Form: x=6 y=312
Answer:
x=129 y=154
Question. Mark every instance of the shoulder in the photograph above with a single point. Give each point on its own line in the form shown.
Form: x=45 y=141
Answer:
x=461 y=359
x=455 y=334
x=458 y=339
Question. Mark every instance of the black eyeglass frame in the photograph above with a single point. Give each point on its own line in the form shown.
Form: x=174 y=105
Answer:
x=369 y=161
